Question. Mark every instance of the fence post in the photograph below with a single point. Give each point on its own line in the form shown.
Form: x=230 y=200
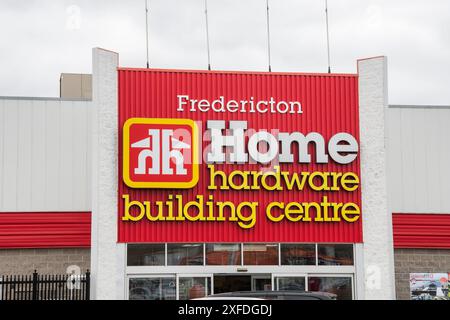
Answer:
x=35 y=285
x=88 y=285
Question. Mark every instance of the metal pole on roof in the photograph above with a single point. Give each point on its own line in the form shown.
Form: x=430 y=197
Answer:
x=207 y=34
x=146 y=30
x=268 y=35
x=328 y=36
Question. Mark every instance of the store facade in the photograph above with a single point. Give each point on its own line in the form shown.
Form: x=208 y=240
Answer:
x=268 y=189
x=174 y=184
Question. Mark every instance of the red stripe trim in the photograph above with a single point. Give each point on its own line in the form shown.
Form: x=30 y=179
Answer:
x=45 y=229
x=421 y=230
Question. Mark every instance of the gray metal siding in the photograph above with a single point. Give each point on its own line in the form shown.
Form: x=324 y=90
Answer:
x=45 y=155
x=418 y=151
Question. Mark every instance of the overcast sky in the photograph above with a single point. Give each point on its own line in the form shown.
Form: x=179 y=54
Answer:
x=42 y=38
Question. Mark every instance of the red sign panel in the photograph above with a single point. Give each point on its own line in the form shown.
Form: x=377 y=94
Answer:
x=238 y=157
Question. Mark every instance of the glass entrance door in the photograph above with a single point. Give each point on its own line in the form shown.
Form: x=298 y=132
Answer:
x=152 y=288
x=193 y=286
x=169 y=287
x=232 y=282
x=238 y=282
x=290 y=282
x=261 y=282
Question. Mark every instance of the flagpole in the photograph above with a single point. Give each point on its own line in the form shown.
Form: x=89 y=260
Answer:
x=207 y=34
x=268 y=36
x=146 y=31
x=328 y=36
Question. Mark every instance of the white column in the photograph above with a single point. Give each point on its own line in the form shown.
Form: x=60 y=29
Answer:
x=107 y=256
x=377 y=219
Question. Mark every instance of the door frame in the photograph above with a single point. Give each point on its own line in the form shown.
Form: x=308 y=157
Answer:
x=206 y=271
x=261 y=276
x=177 y=277
x=194 y=275
x=256 y=275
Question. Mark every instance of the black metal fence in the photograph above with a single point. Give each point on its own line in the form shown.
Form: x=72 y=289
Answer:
x=45 y=287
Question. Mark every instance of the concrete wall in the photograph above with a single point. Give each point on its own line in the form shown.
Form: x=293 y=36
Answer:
x=418 y=159
x=378 y=266
x=416 y=261
x=108 y=256
x=45 y=261
x=45 y=157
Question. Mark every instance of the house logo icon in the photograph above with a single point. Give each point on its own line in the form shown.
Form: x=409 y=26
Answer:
x=160 y=153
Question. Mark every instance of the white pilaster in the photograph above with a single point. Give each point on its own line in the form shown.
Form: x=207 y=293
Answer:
x=107 y=256
x=377 y=219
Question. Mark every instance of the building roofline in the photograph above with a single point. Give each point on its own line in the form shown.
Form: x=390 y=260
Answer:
x=76 y=73
x=43 y=98
x=398 y=106
x=264 y=73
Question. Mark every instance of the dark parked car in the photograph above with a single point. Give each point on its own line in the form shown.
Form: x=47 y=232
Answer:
x=275 y=295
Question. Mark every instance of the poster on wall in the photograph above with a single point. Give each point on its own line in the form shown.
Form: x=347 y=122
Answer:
x=429 y=286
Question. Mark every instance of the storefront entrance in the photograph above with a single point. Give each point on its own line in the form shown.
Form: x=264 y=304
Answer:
x=189 y=271
x=191 y=286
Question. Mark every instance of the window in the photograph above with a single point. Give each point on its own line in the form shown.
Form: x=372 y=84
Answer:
x=224 y=254
x=261 y=254
x=187 y=254
x=341 y=286
x=290 y=283
x=235 y=254
x=156 y=288
x=335 y=254
x=298 y=254
x=145 y=254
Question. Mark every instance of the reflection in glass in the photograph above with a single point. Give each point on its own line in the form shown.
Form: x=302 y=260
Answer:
x=223 y=254
x=145 y=254
x=298 y=254
x=185 y=254
x=290 y=283
x=233 y=282
x=152 y=288
x=191 y=288
x=335 y=254
x=262 y=284
x=261 y=254
x=341 y=286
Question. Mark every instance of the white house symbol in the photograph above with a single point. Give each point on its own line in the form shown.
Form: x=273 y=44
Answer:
x=170 y=149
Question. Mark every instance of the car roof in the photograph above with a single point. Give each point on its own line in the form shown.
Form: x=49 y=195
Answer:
x=214 y=297
x=317 y=294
